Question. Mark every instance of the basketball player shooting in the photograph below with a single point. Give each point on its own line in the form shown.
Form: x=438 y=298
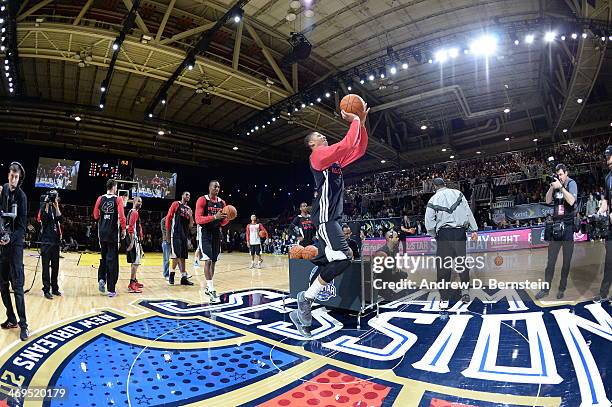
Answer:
x=210 y=218
x=326 y=164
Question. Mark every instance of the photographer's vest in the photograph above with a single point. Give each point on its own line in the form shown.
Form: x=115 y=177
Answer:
x=563 y=210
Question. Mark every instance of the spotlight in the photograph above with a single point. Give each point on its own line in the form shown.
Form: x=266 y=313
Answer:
x=430 y=61
x=393 y=70
x=382 y=73
x=256 y=128
x=6 y=67
x=238 y=15
x=550 y=36
x=327 y=94
x=452 y=156
x=535 y=140
x=478 y=152
x=311 y=104
x=579 y=100
x=274 y=119
x=263 y=126
x=303 y=105
x=507 y=139
x=163 y=101
x=115 y=46
x=484 y=45
x=2 y=48
x=190 y=66
x=361 y=81
x=77 y=118
x=101 y=105
x=423 y=127
x=371 y=77
x=453 y=52
x=506 y=110
x=584 y=35
x=319 y=100
x=103 y=88
x=161 y=132
x=383 y=161
x=516 y=42
x=248 y=133
x=235 y=148
x=441 y=56
x=564 y=130
x=529 y=38
x=551 y=159
x=563 y=38
x=574 y=36
x=444 y=150
x=405 y=65
x=11 y=90
x=295 y=109
x=268 y=122
x=610 y=38
x=150 y=115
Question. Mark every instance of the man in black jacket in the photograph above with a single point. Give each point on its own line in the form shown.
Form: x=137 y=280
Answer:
x=11 y=260
x=50 y=217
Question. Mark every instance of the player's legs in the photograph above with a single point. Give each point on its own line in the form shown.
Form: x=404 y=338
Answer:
x=211 y=246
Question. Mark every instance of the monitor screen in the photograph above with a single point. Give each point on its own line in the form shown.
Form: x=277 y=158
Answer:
x=57 y=173
x=155 y=184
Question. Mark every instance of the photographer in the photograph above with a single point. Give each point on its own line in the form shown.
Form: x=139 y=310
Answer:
x=560 y=232
x=50 y=217
x=14 y=205
x=603 y=210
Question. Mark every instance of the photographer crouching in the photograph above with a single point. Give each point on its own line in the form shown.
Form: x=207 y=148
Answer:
x=13 y=208
x=50 y=217
x=560 y=232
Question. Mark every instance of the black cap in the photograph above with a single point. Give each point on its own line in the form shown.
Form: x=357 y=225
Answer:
x=608 y=151
x=439 y=182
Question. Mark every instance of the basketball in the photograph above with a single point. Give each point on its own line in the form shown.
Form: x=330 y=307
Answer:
x=499 y=260
x=353 y=104
x=310 y=252
x=263 y=234
x=295 y=252
x=230 y=211
x=412 y=231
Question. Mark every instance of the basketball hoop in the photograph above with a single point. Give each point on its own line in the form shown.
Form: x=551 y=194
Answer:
x=127 y=190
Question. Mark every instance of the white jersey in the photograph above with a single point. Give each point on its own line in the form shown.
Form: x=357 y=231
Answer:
x=253 y=231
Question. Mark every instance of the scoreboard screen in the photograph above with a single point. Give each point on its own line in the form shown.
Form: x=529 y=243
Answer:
x=104 y=169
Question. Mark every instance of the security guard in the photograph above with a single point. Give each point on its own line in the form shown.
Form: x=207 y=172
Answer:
x=447 y=218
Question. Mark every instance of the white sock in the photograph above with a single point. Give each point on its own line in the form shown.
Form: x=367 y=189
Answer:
x=314 y=289
x=183 y=274
x=210 y=285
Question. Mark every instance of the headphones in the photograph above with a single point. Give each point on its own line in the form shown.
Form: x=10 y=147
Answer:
x=21 y=172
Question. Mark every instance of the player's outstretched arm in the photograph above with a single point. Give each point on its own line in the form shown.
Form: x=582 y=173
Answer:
x=323 y=157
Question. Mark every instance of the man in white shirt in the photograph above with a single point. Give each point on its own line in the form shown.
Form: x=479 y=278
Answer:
x=255 y=231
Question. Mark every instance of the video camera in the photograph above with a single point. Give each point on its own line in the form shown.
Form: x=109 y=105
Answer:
x=5 y=231
x=50 y=196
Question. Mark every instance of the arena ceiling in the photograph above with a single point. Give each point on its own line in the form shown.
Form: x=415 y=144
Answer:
x=65 y=49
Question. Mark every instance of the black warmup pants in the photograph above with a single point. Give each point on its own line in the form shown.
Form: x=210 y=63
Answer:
x=109 y=266
x=553 y=253
x=11 y=275
x=50 y=257
x=607 y=277
x=450 y=244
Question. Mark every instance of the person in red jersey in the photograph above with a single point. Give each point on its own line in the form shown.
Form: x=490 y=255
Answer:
x=326 y=164
x=253 y=240
x=133 y=244
x=178 y=223
x=108 y=211
x=210 y=219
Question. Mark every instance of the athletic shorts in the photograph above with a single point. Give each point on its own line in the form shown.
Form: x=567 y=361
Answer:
x=178 y=247
x=255 y=249
x=331 y=244
x=209 y=244
x=134 y=256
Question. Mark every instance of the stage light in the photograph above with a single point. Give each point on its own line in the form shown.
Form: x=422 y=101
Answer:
x=535 y=139
x=102 y=88
x=77 y=118
x=478 y=152
x=371 y=77
x=268 y=122
x=349 y=88
x=507 y=139
x=115 y=46
x=190 y=66
x=303 y=105
x=11 y=90
x=584 y=35
x=161 y=132
x=564 y=130
x=327 y=94
x=392 y=70
x=2 y=48
x=263 y=126
x=319 y=100
x=237 y=19
x=441 y=56
x=430 y=61
x=361 y=81
x=150 y=115
x=101 y=105
x=383 y=161
x=274 y=119
x=405 y=65
x=444 y=150
x=295 y=109
x=423 y=127
x=256 y=128
x=452 y=156
x=485 y=45
x=311 y=104
x=579 y=100
x=382 y=73
x=516 y=42
x=551 y=159
x=529 y=38
x=563 y=38
x=506 y=110
x=550 y=36
x=453 y=52
x=610 y=38
x=6 y=67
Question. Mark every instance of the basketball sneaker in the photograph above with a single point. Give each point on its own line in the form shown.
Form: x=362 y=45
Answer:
x=185 y=281
x=102 y=286
x=252 y=265
x=212 y=294
x=303 y=330
x=112 y=294
x=304 y=311
x=133 y=288
x=258 y=265
x=171 y=278
x=138 y=284
x=444 y=305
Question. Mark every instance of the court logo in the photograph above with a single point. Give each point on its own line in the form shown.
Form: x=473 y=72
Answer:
x=328 y=292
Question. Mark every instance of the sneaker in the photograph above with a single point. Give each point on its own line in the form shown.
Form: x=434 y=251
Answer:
x=102 y=286
x=48 y=295
x=444 y=305
x=304 y=311
x=214 y=299
x=252 y=265
x=24 y=334
x=133 y=288
x=8 y=325
x=196 y=263
x=112 y=294
x=185 y=281
x=258 y=265
x=600 y=299
x=303 y=330
x=171 y=278
x=560 y=294
x=56 y=293
x=138 y=284
x=541 y=294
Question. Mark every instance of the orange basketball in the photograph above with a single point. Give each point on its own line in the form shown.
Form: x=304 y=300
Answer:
x=263 y=234
x=310 y=252
x=230 y=211
x=295 y=252
x=499 y=260
x=353 y=104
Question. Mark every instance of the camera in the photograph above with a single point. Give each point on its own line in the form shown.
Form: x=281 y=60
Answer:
x=50 y=196
x=5 y=231
x=552 y=178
